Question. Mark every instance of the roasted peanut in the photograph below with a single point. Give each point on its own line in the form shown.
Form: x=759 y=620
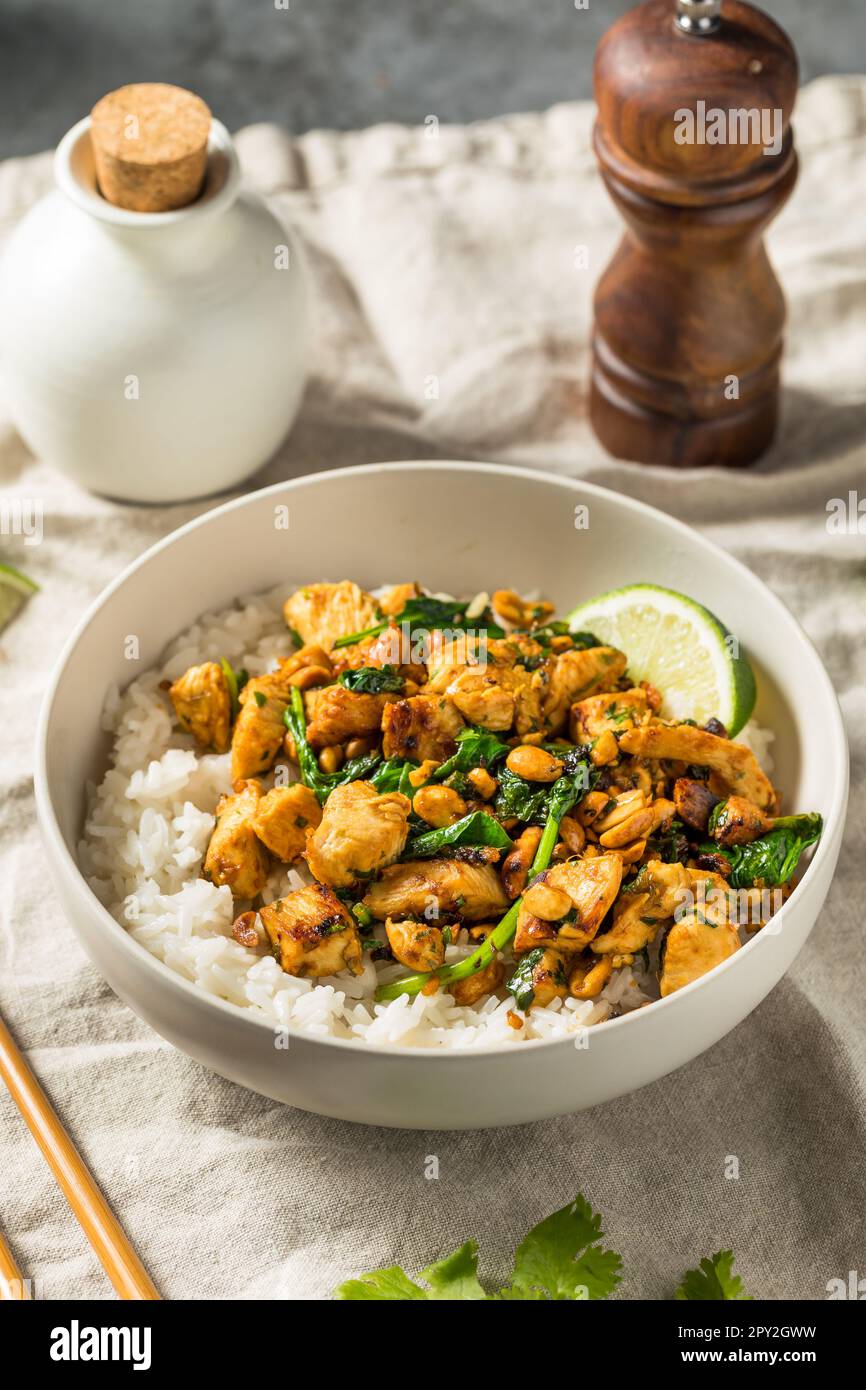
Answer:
x=309 y=676
x=635 y=827
x=356 y=748
x=588 y=978
x=482 y=782
x=438 y=806
x=591 y=807
x=515 y=870
x=534 y=764
x=331 y=758
x=573 y=834
x=311 y=655
x=423 y=772
x=550 y=904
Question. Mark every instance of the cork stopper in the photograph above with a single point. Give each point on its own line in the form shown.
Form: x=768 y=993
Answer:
x=150 y=144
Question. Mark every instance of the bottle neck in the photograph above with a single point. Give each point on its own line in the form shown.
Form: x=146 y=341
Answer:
x=75 y=176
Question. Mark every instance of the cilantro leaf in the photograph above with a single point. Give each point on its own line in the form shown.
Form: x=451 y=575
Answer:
x=381 y=1285
x=713 y=1282
x=561 y=1259
x=456 y=1276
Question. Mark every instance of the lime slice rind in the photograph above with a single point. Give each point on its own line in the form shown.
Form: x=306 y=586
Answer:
x=677 y=645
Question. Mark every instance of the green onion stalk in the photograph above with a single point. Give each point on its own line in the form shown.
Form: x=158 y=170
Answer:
x=564 y=794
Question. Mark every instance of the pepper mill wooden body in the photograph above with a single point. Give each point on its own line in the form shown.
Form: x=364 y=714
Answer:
x=689 y=315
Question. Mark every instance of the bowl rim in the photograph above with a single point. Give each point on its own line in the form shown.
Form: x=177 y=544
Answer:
x=164 y=975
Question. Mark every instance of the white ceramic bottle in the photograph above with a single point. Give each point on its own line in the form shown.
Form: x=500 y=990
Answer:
x=153 y=357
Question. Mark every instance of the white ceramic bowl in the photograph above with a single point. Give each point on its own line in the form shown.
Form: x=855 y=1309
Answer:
x=459 y=527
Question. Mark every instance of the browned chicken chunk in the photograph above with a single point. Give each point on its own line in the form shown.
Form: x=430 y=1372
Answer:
x=283 y=817
x=321 y=613
x=694 y=802
x=421 y=728
x=735 y=764
x=577 y=674
x=589 y=886
x=336 y=714
x=738 y=822
x=418 y=945
x=549 y=978
x=692 y=947
x=592 y=717
x=312 y=933
x=235 y=856
x=427 y=887
x=203 y=704
x=659 y=892
x=260 y=729
x=360 y=833
x=474 y=987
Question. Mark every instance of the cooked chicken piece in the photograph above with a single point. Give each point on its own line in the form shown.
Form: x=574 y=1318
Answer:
x=500 y=696
x=336 y=714
x=574 y=676
x=360 y=833
x=692 y=947
x=420 y=728
x=515 y=869
x=427 y=887
x=738 y=822
x=283 y=817
x=603 y=713
x=259 y=728
x=591 y=885
x=735 y=763
x=235 y=856
x=390 y=647
x=312 y=933
x=203 y=704
x=394 y=600
x=417 y=945
x=516 y=648
x=450 y=653
x=321 y=613
x=589 y=976
x=474 y=987
x=694 y=802
x=659 y=891
x=549 y=978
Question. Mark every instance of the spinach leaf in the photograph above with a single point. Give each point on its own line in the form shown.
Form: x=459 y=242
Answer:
x=373 y=680
x=476 y=747
x=322 y=783
x=478 y=828
x=534 y=802
x=393 y=776
x=773 y=857
x=428 y=612
x=520 y=984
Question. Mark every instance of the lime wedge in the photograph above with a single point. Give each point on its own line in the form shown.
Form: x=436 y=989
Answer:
x=677 y=645
x=15 y=590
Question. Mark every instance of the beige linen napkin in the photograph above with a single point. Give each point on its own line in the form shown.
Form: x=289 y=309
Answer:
x=453 y=321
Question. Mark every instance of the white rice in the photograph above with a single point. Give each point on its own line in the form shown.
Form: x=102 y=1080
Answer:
x=147 y=831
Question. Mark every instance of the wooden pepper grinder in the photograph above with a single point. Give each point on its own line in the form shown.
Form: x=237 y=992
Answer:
x=694 y=142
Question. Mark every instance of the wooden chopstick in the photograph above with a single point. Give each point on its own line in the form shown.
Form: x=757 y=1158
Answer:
x=100 y=1225
x=12 y=1284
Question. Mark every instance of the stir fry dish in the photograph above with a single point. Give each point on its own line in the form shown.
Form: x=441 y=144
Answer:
x=486 y=800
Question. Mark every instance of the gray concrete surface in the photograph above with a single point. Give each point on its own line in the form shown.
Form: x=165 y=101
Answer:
x=339 y=63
